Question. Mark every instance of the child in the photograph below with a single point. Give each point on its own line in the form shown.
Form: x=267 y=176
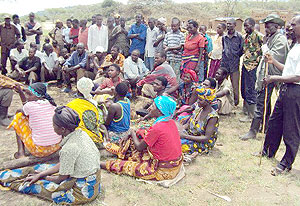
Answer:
x=118 y=117
x=224 y=92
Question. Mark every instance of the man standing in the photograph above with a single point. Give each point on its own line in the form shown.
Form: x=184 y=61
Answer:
x=232 y=51
x=9 y=35
x=277 y=46
x=98 y=35
x=137 y=34
x=173 y=44
x=285 y=120
x=158 y=44
x=119 y=36
x=152 y=31
x=33 y=31
x=16 y=23
x=57 y=34
x=83 y=33
x=66 y=35
x=252 y=56
x=110 y=28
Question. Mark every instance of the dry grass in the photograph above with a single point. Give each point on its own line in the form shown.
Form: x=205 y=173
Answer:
x=229 y=170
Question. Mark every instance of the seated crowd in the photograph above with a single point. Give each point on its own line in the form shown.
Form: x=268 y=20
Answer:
x=183 y=73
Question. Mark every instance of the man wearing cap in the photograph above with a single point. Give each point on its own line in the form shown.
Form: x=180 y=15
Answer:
x=95 y=60
x=158 y=44
x=57 y=34
x=137 y=34
x=285 y=120
x=98 y=35
x=119 y=36
x=275 y=44
x=9 y=35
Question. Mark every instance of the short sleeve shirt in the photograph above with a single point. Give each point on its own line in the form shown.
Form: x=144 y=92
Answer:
x=79 y=156
x=27 y=63
x=192 y=46
x=40 y=114
x=164 y=141
x=174 y=39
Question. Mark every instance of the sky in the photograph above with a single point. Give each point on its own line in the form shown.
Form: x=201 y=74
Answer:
x=23 y=7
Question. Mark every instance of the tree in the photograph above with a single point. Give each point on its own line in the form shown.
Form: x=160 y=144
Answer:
x=108 y=3
x=230 y=6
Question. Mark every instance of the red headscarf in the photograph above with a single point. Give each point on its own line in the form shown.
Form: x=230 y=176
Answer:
x=192 y=73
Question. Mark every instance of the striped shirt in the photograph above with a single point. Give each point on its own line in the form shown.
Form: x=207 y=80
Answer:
x=40 y=115
x=174 y=39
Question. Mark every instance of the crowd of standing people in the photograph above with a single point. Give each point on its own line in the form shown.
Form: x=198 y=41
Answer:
x=188 y=77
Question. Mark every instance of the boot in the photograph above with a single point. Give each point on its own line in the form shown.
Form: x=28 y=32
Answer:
x=253 y=130
x=249 y=117
x=4 y=120
x=245 y=108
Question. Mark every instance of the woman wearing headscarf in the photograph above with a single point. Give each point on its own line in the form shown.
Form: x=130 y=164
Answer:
x=156 y=156
x=33 y=124
x=79 y=176
x=200 y=132
x=91 y=116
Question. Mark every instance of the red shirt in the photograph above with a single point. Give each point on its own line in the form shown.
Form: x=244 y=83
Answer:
x=108 y=83
x=74 y=32
x=164 y=141
x=192 y=47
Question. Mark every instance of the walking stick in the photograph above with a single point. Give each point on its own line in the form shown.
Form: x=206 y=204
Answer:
x=265 y=113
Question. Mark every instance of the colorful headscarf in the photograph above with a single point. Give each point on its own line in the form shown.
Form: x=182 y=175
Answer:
x=85 y=86
x=40 y=90
x=192 y=73
x=166 y=106
x=206 y=94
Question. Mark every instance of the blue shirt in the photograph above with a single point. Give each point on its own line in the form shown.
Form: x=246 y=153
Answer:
x=209 y=46
x=76 y=59
x=123 y=123
x=138 y=43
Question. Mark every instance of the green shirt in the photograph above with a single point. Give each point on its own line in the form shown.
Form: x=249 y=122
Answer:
x=79 y=156
x=252 y=50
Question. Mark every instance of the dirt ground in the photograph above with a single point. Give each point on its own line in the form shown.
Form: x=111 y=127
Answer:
x=229 y=170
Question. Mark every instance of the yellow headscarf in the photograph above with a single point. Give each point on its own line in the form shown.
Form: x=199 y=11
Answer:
x=206 y=94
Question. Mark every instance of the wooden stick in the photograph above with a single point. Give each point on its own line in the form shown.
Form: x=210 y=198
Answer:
x=265 y=113
x=28 y=161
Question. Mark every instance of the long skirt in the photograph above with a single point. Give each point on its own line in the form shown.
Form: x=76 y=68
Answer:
x=141 y=164
x=69 y=191
x=214 y=66
x=21 y=125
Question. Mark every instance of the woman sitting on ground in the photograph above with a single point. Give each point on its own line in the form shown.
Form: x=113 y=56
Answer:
x=33 y=124
x=185 y=112
x=118 y=117
x=108 y=85
x=156 y=156
x=92 y=120
x=79 y=176
x=200 y=132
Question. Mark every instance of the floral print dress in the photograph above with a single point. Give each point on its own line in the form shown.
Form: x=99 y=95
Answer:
x=198 y=128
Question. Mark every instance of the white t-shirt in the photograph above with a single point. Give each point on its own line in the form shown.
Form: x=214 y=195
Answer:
x=17 y=56
x=49 y=60
x=150 y=40
x=66 y=34
x=97 y=37
x=292 y=63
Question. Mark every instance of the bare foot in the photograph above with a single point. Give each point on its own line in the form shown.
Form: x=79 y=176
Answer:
x=17 y=155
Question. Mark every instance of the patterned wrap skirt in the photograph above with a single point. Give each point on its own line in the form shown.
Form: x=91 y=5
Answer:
x=69 y=191
x=141 y=164
x=21 y=125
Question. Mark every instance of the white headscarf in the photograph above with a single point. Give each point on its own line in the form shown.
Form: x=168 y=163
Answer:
x=85 y=86
x=162 y=20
